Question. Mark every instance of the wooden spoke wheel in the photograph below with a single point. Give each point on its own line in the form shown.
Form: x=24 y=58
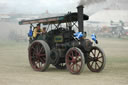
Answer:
x=96 y=59
x=75 y=60
x=39 y=55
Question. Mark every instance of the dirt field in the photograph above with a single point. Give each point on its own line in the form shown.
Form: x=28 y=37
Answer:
x=15 y=68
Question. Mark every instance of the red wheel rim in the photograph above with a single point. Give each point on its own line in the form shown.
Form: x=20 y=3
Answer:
x=73 y=61
x=37 y=56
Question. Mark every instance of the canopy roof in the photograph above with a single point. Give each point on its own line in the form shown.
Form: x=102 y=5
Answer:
x=70 y=17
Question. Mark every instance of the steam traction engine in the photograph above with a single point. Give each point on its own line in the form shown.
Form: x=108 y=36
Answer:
x=62 y=47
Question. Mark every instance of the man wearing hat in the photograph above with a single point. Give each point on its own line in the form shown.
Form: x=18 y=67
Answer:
x=37 y=31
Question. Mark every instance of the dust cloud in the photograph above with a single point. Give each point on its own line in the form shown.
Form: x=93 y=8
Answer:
x=12 y=31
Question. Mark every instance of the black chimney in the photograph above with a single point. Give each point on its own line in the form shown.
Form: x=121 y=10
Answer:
x=80 y=18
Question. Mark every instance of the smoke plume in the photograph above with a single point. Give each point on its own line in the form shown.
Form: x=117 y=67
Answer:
x=90 y=2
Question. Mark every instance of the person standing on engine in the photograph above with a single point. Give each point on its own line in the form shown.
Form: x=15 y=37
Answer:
x=37 y=31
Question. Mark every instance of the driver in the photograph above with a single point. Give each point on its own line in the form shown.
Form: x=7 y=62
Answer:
x=37 y=31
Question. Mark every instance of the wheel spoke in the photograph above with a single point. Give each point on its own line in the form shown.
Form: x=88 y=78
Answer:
x=79 y=60
x=72 y=54
x=69 y=61
x=72 y=67
x=93 y=54
x=39 y=64
x=100 y=61
x=40 y=49
x=42 y=60
x=36 y=64
x=98 y=53
x=33 y=48
x=33 y=59
x=97 y=65
x=78 y=65
x=77 y=69
x=92 y=63
x=75 y=53
x=36 y=47
x=90 y=59
x=71 y=64
x=42 y=55
x=34 y=54
x=100 y=57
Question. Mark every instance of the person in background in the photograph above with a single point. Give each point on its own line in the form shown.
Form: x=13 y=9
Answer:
x=37 y=31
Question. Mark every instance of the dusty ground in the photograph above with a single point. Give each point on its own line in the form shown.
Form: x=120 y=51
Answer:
x=15 y=68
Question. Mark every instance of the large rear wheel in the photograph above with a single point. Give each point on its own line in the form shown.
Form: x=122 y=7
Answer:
x=75 y=60
x=96 y=59
x=39 y=55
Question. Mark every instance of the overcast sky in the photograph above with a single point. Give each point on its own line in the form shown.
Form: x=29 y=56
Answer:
x=53 y=6
x=37 y=6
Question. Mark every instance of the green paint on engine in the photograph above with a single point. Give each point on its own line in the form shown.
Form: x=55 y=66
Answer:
x=58 y=39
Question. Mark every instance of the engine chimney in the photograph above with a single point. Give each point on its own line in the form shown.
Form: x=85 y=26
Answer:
x=80 y=18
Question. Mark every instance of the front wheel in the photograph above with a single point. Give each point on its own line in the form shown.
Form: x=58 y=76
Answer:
x=96 y=59
x=75 y=60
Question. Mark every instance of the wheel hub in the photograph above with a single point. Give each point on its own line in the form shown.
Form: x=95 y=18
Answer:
x=74 y=60
x=95 y=59
x=38 y=56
